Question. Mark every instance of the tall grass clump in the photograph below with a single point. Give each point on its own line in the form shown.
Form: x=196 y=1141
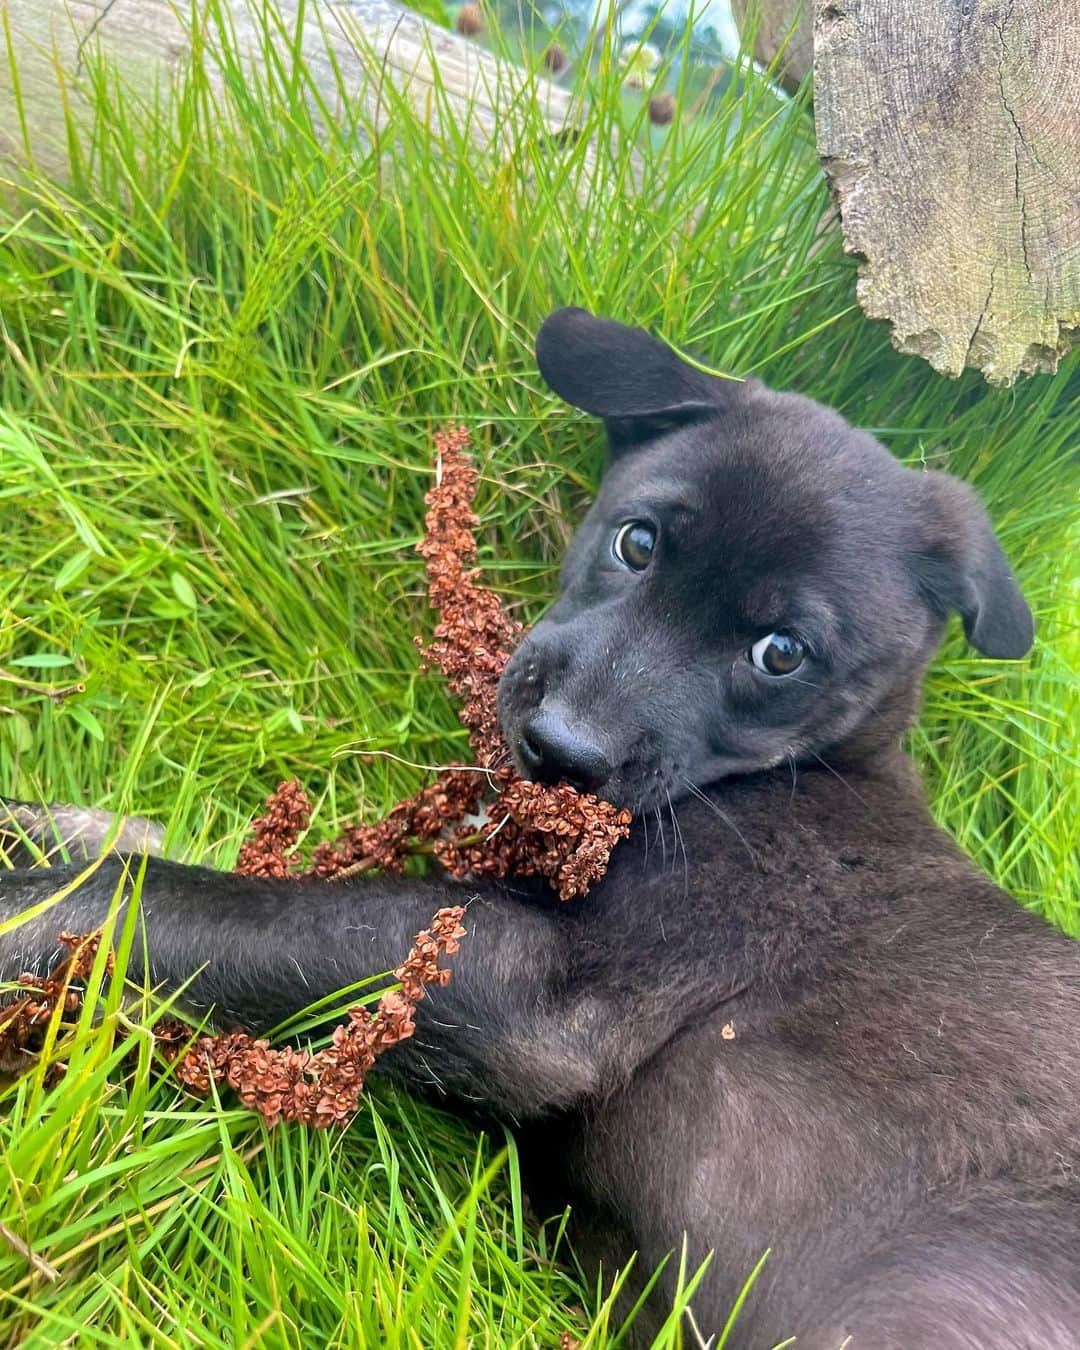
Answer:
x=225 y=341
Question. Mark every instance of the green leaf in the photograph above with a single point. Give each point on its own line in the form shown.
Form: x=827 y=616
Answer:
x=22 y=737
x=80 y=713
x=72 y=570
x=184 y=591
x=169 y=609
x=41 y=661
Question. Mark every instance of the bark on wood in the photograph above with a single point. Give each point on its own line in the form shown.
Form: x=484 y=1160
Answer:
x=951 y=132
x=783 y=28
x=367 y=44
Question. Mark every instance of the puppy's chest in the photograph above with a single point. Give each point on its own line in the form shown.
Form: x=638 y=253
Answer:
x=736 y=1138
x=717 y=1123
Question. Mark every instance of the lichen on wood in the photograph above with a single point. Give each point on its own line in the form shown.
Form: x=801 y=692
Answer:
x=951 y=135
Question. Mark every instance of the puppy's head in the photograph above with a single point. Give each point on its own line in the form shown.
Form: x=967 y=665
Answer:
x=756 y=582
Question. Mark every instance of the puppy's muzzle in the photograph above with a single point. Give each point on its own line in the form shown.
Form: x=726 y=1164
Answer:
x=551 y=752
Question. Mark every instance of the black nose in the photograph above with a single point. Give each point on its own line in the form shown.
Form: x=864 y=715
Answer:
x=552 y=753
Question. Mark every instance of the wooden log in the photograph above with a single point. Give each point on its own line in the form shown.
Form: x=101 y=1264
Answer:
x=950 y=130
x=780 y=28
x=352 y=49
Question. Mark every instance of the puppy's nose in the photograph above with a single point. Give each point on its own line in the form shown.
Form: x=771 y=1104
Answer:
x=552 y=753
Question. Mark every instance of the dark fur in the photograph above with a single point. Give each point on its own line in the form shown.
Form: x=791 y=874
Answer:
x=897 y=1114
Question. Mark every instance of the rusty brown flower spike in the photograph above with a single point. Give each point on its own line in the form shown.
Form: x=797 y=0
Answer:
x=271 y=850
x=24 y=1018
x=322 y=1088
x=556 y=833
x=527 y=830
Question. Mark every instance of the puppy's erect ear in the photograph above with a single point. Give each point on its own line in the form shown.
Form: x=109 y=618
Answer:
x=630 y=379
x=962 y=567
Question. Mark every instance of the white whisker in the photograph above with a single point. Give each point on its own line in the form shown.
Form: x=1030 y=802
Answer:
x=725 y=818
x=680 y=842
x=840 y=778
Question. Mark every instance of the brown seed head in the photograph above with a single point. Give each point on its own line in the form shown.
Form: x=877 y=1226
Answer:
x=555 y=59
x=271 y=852
x=478 y=820
x=324 y=1088
x=470 y=20
x=661 y=110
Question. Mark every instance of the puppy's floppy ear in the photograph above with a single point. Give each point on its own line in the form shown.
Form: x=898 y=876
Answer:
x=961 y=566
x=633 y=381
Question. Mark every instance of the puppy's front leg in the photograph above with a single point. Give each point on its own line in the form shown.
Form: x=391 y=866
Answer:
x=520 y=1028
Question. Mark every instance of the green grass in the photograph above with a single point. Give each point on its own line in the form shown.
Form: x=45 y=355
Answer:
x=224 y=345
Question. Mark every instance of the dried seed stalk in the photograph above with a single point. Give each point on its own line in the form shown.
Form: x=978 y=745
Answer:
x=25 y=1018
x=528 y=830
x=323 y=1088
x=557 y=832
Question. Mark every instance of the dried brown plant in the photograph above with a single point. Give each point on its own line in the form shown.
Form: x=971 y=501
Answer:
x=271 y=850
x=662 y=110
x=470 y=20
x=320 y=1088
x=528 y=830
x=25 y=1018
x=554 y=59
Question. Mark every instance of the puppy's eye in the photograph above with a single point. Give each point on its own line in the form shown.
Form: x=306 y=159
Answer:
x=634 y=543
x=778 y=654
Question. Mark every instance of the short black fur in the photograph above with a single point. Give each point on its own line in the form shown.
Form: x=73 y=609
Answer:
x=898 y=1114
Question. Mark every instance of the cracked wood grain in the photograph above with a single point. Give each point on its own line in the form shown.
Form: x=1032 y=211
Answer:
x=88 y=36
x=950 y=130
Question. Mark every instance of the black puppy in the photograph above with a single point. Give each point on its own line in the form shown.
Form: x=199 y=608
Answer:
x=745 y=618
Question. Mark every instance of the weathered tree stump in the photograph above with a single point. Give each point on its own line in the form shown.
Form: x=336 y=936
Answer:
x=950 y=130
x=354 y=50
